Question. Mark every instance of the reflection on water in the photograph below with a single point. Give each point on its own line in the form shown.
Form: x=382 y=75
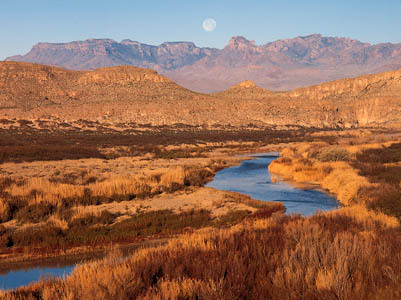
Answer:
x=253 y=178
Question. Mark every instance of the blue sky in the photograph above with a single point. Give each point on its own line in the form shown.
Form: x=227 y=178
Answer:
x=23 y=23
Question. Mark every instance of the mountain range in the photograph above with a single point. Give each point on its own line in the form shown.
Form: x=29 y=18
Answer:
x=280 y=65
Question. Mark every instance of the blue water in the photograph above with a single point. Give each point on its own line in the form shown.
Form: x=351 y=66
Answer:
x=14 y=279
x=253 y=178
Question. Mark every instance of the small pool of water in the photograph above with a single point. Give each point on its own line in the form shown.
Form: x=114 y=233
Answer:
x=253 y=178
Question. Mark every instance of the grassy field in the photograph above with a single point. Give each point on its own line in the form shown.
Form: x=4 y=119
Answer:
x=223 y=245
x=68 y=191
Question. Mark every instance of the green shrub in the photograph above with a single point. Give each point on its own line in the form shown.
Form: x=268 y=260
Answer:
x=333 y=154
x=44 y=236
x=233 y=217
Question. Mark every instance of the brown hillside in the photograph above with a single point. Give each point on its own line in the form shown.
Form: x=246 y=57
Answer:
x=26 y=85
x=130 y=94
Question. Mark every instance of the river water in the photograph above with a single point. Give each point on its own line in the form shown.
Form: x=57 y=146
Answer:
x=251 y=178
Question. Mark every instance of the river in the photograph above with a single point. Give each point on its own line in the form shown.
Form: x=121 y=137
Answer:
x=251 y=178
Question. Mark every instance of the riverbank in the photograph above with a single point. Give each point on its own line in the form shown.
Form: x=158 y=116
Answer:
x=366 y=175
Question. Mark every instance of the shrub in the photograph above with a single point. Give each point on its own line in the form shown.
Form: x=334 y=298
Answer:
x=105 y=218
x=43 y=235
x=379 y=173
x=35 y=213
x=197 y=176
x=233 y=217
x=306 y=162
x=333 y=154
x=6 y=182
x=382 y=155
x=385 y=198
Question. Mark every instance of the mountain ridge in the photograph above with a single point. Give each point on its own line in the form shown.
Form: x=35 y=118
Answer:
x=278 y=65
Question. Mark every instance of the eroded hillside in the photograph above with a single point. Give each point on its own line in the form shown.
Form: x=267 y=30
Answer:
x=129 y=94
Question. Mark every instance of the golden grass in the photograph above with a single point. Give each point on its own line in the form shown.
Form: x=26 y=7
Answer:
x=345 y=182
x=57 y=222
x=42 y=190
x=350 y=253
x=39 y=190
x=337 y=177
x=368 y=219
x=185 y=288
x=175 y=175
x=121 y=186
x=361 y=147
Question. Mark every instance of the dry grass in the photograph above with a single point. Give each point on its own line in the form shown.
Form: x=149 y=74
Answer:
x=362 y=147
x=345 y=182
x=338 y=177
x=368 y=175
x=39 y=190
x=343 y=254
x=368 y=219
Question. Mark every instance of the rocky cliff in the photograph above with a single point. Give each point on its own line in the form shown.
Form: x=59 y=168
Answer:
x=141 y=96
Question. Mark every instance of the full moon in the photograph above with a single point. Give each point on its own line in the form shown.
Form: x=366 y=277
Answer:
x=209 y=24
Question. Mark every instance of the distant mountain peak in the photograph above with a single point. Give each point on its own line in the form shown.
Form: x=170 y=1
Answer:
x=312 y=36
x=240 y=41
